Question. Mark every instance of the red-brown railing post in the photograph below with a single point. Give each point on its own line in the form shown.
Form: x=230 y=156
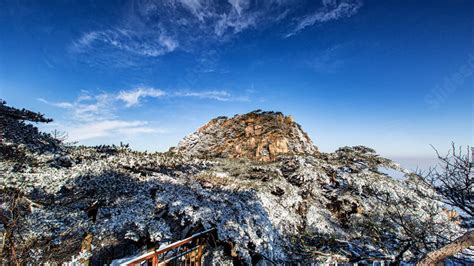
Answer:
x=188 y=249
x=199 y=255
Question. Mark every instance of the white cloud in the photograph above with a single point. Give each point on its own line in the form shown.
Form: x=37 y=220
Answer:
x=64 y=105
x=87 y=107
x=132 y=98
x=139 y=130
x=234 y=23
x=239 y=5
x=195 y=7
x=92 y=117
x=168 y=43
x=104 y=106
x=106 y=128
x=96 y=116
x=145 y=43
x=213 y=95
x=155 y=28
x=331 y=10
x=87 y=39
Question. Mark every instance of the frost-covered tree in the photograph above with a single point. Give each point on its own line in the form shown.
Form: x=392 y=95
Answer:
x=59 y=135
x=18 y=133
x=453 y=179
x=18 y=139
x=10 y=218
x=22 y=114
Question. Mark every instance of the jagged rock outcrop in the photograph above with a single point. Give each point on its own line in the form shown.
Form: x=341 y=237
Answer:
x=258 y=135
x=308 y=207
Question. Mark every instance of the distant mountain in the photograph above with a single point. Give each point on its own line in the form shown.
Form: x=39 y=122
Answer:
x=257 y=178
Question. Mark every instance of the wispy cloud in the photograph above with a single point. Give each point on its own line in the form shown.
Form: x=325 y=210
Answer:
x=211 y=19
x=155 y=28
x=97 y=116
x=88 y=107
x=92 y=116
x=214 y=95
x=331 y=10
x=333 y=58
x=132 y=97
x=145 y=43
x=106 y=128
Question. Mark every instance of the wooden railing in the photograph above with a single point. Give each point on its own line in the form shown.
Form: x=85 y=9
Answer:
x=188 y=251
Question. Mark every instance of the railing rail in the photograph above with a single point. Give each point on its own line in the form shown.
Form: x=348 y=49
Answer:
x=187 y=251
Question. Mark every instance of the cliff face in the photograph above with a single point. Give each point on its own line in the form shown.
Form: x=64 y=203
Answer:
x=261 y=136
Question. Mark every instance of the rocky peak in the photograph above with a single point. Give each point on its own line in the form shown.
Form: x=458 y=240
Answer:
x=256 y=135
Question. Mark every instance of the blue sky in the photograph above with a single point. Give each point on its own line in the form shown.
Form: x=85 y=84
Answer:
x=393 y=75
